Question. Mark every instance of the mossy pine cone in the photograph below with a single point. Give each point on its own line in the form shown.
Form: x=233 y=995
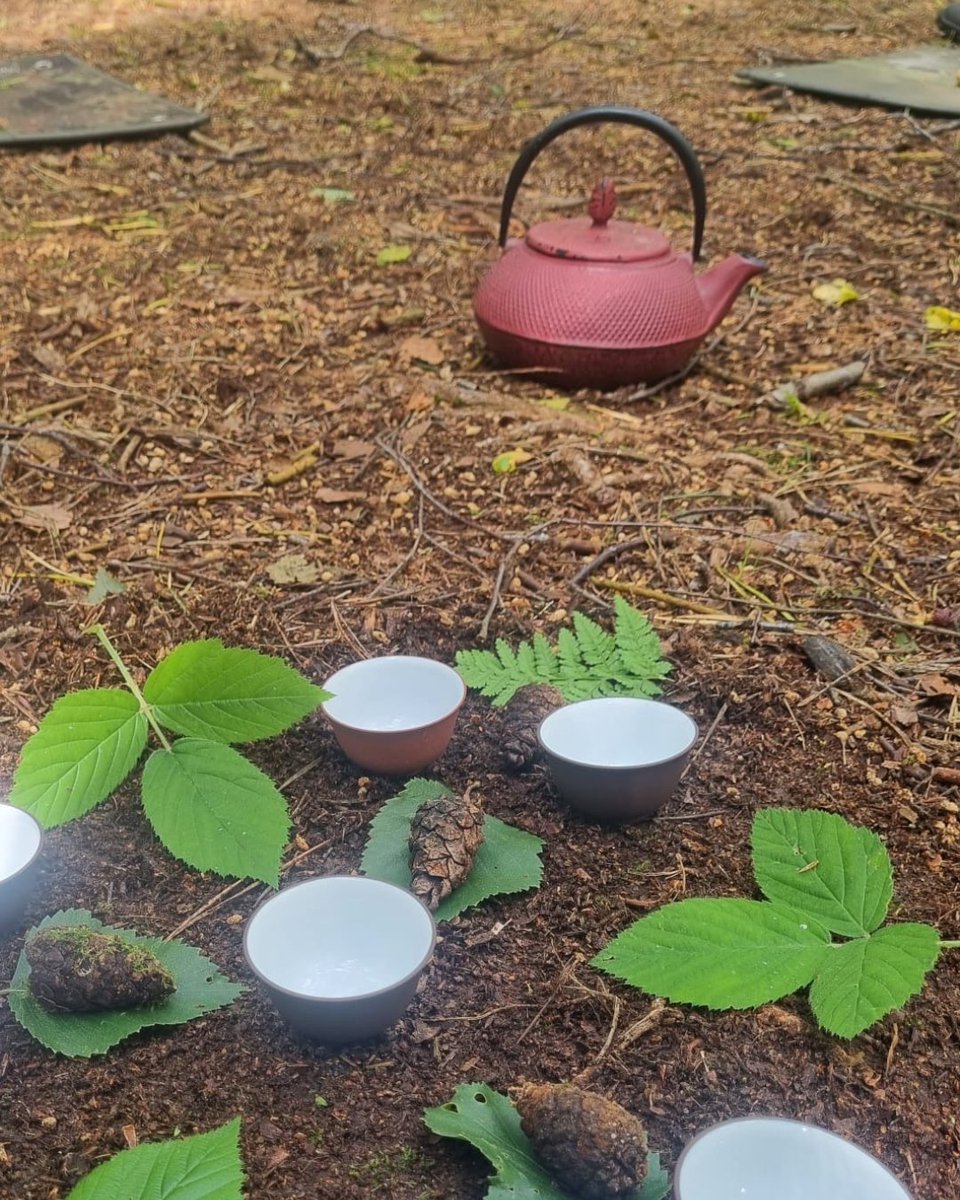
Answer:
x=592 y=1147
x=445 y=835
x=75 y=969
x=521 y=719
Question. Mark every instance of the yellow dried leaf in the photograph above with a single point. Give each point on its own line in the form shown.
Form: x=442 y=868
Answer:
x=839 y=292
x=504 y=463
x=942 y=320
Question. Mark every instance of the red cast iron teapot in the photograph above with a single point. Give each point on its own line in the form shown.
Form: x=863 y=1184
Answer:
x=595 y=302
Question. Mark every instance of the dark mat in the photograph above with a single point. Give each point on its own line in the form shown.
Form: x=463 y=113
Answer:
x=57 y=100
x=924 y=79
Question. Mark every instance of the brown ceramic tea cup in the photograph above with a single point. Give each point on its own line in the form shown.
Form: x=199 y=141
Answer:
x=394 y=715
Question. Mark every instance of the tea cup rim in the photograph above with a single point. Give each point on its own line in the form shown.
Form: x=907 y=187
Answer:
x=356 y=997
x=35 y=855
x=592 y=765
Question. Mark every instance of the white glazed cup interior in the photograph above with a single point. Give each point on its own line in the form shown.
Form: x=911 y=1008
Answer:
x=20 y=839
x=382 y=695
x=338 y=938
x=759 y=1158
x=618 y=731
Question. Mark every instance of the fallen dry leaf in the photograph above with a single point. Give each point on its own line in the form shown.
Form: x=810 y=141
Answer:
x=45 y=516
x=421 y=349
x=332 y=496
x=293 y=568
x=350 y=448
x=934 y=684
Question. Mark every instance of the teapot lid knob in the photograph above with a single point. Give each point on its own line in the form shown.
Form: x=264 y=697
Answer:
x=603 y=202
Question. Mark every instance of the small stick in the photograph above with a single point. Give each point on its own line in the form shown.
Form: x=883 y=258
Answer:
x=230 y=891
x=637 y=589
x=818 y=384
x=706 y=737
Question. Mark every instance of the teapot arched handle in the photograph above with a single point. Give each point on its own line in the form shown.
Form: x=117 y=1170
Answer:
x=627 y=116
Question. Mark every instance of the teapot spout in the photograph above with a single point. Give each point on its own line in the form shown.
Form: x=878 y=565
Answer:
x=721 y=285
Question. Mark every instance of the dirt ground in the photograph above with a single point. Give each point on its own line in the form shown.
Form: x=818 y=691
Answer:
x=204 y=370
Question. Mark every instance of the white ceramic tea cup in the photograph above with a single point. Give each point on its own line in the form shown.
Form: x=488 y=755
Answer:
x=340 y=955
x=769 y=1158
x=20 y=841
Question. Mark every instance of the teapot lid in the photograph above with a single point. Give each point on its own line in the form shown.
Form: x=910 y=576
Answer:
x=596 y=238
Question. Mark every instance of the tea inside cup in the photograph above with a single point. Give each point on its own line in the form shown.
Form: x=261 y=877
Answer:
x=755 y=1158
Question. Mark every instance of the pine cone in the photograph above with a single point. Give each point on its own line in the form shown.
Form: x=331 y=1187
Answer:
x=76 y=969
x=591 y=1145
x=445 y=835
x=521 y=720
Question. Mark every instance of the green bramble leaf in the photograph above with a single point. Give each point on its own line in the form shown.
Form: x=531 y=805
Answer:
x=84 y=748
x=861 y=981
x=719 y=953
x=507 y=861
x=207 y=690
x=821 y=875
x=200 y=989
x=489 y=1122
x=204 y=1167
x=820 y=863
x=216 y=811
x=587 y=661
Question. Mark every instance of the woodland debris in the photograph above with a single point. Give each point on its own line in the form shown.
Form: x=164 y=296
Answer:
x=589 y=475
x=76 y=969
x=445 y=835
x=818 y=384
x=521 y=719
x=591 y=1145
x=831 y=660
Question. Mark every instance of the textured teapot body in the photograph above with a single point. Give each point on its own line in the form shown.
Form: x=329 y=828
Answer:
x=595 y=302
x=599 y=324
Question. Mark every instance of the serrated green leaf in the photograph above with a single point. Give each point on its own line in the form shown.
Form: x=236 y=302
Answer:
x=489 y=1122
x=204 y=1167
x=506 y=655
x=200 y=989
x=821 y=864
x=85 y=747
x=227 y=694
x=724 y=953
x=216 y=811
x=507 y=861
x=861 y=981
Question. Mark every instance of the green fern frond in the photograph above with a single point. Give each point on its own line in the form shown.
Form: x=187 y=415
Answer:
x=638 y=646
x=597 y=647
x=586 y=663
x=546 y=659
